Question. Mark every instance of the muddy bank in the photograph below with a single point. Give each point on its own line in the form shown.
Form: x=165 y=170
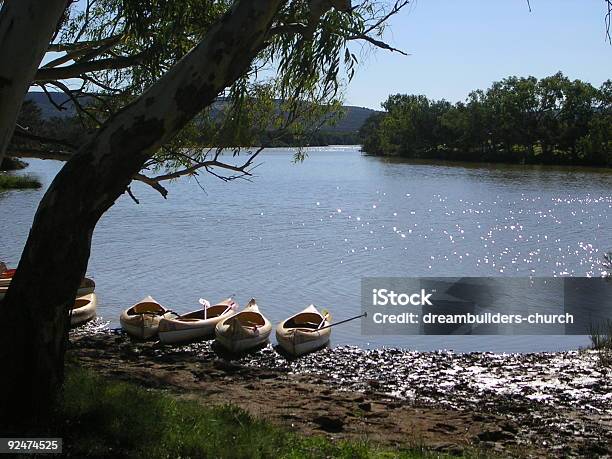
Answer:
x=554 y=404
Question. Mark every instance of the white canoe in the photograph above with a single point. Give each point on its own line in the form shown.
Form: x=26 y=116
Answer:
x=244 y=330
x=300 y=334
x=6 y=276
x=86 y=287
x=142 y=319
x=195 y=325
x=84 y=309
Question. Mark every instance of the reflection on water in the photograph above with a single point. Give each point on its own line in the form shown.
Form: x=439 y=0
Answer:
x=307 y=233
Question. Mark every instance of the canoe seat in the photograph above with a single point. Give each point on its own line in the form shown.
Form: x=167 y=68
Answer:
x=216 y=310
x=213 y=311
x=80 y=303
x=141 y=308
x=305 y=320
x=8 y=274
x=250 y=319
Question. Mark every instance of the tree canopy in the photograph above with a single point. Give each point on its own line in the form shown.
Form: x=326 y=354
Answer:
x=107 y=52
x=521 y=120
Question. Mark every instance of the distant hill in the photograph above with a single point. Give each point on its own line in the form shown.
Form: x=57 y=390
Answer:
x=47 y=109
x=350 y=123
x=353 y=119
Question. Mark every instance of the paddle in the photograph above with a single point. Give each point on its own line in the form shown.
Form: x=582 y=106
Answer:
x=323 y=321
x=231 y=306
x=206 y=305
x=345 y=321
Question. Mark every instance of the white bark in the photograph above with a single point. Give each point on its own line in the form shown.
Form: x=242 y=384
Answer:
x=26 y=27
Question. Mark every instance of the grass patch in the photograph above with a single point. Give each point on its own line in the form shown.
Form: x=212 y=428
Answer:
x=601 y=335
x=17 y=182
x=105 y=418
x=601 y=340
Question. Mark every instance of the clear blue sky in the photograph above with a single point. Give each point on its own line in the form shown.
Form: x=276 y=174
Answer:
x=460 y=45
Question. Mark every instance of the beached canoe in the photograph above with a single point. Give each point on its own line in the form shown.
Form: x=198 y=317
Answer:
x=84 y=309
x=244 y=330
x=142 y=319
x=195 y=325
x=87 y=285
x=6 y=277
x=302 y=333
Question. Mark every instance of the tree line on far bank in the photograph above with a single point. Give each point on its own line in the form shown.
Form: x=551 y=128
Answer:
x=517 y=120
x=340 y=129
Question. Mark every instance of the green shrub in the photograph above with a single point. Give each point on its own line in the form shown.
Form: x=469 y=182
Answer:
x=601 y=335
x=14 y=182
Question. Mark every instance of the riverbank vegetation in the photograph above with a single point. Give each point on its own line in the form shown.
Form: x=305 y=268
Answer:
x=517 y=120
x=17 y=182
x=601 y=340
x=48 y=128
x=41 y=118
x=106 y=418
x=12 y=164
x=601 y=336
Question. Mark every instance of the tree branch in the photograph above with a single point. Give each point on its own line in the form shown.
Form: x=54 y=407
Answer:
x=207 y=165
x=152 y=183
x=95 y=82
x=63 y=59
x=84 y=53
x=59 y=47
x=608 y=20
x=50 y=98
x=22 y=132
x=131 y=195
x=317 y=8
x=378 y=43
x=27 y=152
x=75 y=100
x=396 y=9
x=74 y=70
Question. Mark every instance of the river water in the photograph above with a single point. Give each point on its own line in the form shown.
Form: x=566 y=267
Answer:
x=308 y=233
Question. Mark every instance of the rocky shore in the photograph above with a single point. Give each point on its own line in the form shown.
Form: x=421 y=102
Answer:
x=523 y=405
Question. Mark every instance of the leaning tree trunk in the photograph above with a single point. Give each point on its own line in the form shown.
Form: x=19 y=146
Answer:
x=57 y=250
x=26 y=27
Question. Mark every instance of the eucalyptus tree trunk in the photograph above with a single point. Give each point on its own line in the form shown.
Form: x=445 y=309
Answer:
x=55 y=257
x=26 y=27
